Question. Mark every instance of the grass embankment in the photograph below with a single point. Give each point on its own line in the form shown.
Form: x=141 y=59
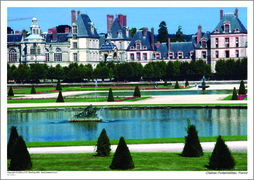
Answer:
x=132 y=141
x=152 y=161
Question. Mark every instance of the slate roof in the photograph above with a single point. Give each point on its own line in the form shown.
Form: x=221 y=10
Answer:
x=107 y=46
x=185 y=47
x=14 y=38
x=61 y=37
x=205 y=35
x=116 y=27
x=163 y=50
x=145 y=41
x=102 y=38
x=234 y=23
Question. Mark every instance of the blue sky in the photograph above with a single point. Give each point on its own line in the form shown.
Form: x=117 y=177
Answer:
x=188 y=17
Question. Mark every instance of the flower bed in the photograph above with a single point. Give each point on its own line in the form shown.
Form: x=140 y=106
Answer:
x=119 y=100
x=241 y=96
x=46 y=91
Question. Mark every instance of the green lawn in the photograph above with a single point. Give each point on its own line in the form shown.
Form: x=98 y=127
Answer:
x=152 y=161
x=229 y=97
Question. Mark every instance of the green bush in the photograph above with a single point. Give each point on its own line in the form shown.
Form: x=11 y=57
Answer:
x=192 y=146
x=177 y=85
x=221 y=156
x=110 y=96
x=33 y=90
x=137 y=92
x=12 y=141
x=60 y=97
x=242 y=88
x=235 y=97
x=10 y=92
x=58 y=86
x=187 y=82
x=20 y=159
x=103 y=144
x=122 y=159
x=165 y=83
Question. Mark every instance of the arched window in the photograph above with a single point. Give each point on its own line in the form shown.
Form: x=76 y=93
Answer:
x=58 y=55
x=38 y=50
x=47 y=54
x=12 y=56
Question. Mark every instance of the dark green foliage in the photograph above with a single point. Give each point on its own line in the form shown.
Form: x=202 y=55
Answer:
x=60 y=97
x=58 y=86
x=103 y=144
x=192 y=146
x=137 y=92
x=235 y=97
x=163 y=32
x=122 y=159
x=187 y=82
x=10 y=92
x=242 y=88
x=221 y=156
x=20 y=159
x=177 y=85
x=33 y=90
x=12 y=141
x=165 y=83
x=110 y=96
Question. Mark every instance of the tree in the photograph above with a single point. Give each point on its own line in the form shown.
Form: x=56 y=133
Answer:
x=231 y=68
x=178 y=36
x=74 y=74
x=22 y=70
x=148 y=71
x=10 y=92
x=163 y=32
x=103 y=144
x=104 y=72
x=186 y=82
x=221 y=156
x=234 y=96
x=20 y=159
x=244 y=67
x=184 y=69
x=165 y=83
x=137 y=70
x=110 y=96
x=37 y=71
x=169 y=70
x=33 y=90
x=51 y=73
x=132 y=31
x=60 y=97
x=110 y=74
x=58 y=86
x=176 y=69
x=221 y=68
x=192 y=147
x=122 y=159
x=242 y=88
x=59 y=72
x=177 y=85
x=137 y=92
x=12 y=141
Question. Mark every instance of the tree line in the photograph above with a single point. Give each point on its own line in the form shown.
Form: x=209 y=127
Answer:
x=129 y=71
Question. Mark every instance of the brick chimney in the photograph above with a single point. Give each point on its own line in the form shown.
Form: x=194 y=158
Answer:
x=236 y=12
x=23 y=34
x=17 y=32
x=144 y=31
x=50 y=30
x=168 y=44
x=110 y=20
x=120 y=18
x=73 y=16
x=152 y=38
x=67 y=30
x=199 y=35
x=54 y=36
x=221 y=14
x=125 y=20
x=78 y=13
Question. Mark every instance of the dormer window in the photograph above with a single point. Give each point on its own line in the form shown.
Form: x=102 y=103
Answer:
x=144 y=47
x=138 y=45
x=216 y=31
x=132 y=48
x=120 y=34
x=171 y=55
x=92 y=27
x=157 y=55
x=109 y=35
x=203 y=44
x=236 y=30
x=180 y=55
x=227 y=27
x=74 y=29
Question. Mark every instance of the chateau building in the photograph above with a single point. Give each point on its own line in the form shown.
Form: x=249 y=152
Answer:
x=82 y=43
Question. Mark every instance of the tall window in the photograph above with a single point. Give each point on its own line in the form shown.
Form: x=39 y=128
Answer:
x=217 y=54
x=138 y=56
x=171 y=56
x=237 y=53
x=138 y=46
x=121 y=45
x=157 y=56
x=58 y=55
x=47 y=54
x=227 y=54
x=226 y=28
x=217 y=43
x=74 y=28
x=12 y=56
x=38 y=50
x=32 y=50
x=180 y=56
x=236 y=42
x=75 y=45
x=203 y=44
x=144 y=56
x=132 y=56
x=227 y=42
x=75 y=57
x=203 y=54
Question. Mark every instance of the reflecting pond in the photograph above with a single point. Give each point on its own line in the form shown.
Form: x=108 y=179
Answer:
x=131 y=124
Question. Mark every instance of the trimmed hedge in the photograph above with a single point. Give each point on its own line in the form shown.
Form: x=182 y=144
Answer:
x=110 y=96
x=235 y=97
x=10 y=92
x=242 y=88
x=103 y=144
x=177 y=85
x=33 y=90
x=137 y=92
x=60 y=97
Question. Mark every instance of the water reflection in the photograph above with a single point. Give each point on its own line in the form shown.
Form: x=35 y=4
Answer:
x=131 y=124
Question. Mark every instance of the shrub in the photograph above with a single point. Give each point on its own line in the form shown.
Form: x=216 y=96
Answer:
x=60 y=97
x=235 y=97
x=187 y=82
x=137 y=92
x=192 y=146
x=58 y=86
x=20 y=159
x=110 y=96
x=221 y=156
x=103 y=144
x=242 y=88
x=165 y=83
x=122 y=159
x=33 y=90
x=10 y=92
x=12 y=141
x=177 y=85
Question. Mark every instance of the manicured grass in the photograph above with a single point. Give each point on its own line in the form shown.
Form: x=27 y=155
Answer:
x=152 y=161
x=229 y=97
x=132 y=141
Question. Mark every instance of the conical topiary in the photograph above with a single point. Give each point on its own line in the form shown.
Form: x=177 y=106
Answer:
x=20 y=159
x=60 y=97
x=242 y=88
x=33 y=90
x=165 y=83
x=10 y=92
x=122 y=159
x=187 y=82
x=177 y=85
x=221 y=156
x=192 y=146
x=58 y=86
x=110 y=96
x=103 y=144
x=234 y=96
x=12 y=141
x=137 y=92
